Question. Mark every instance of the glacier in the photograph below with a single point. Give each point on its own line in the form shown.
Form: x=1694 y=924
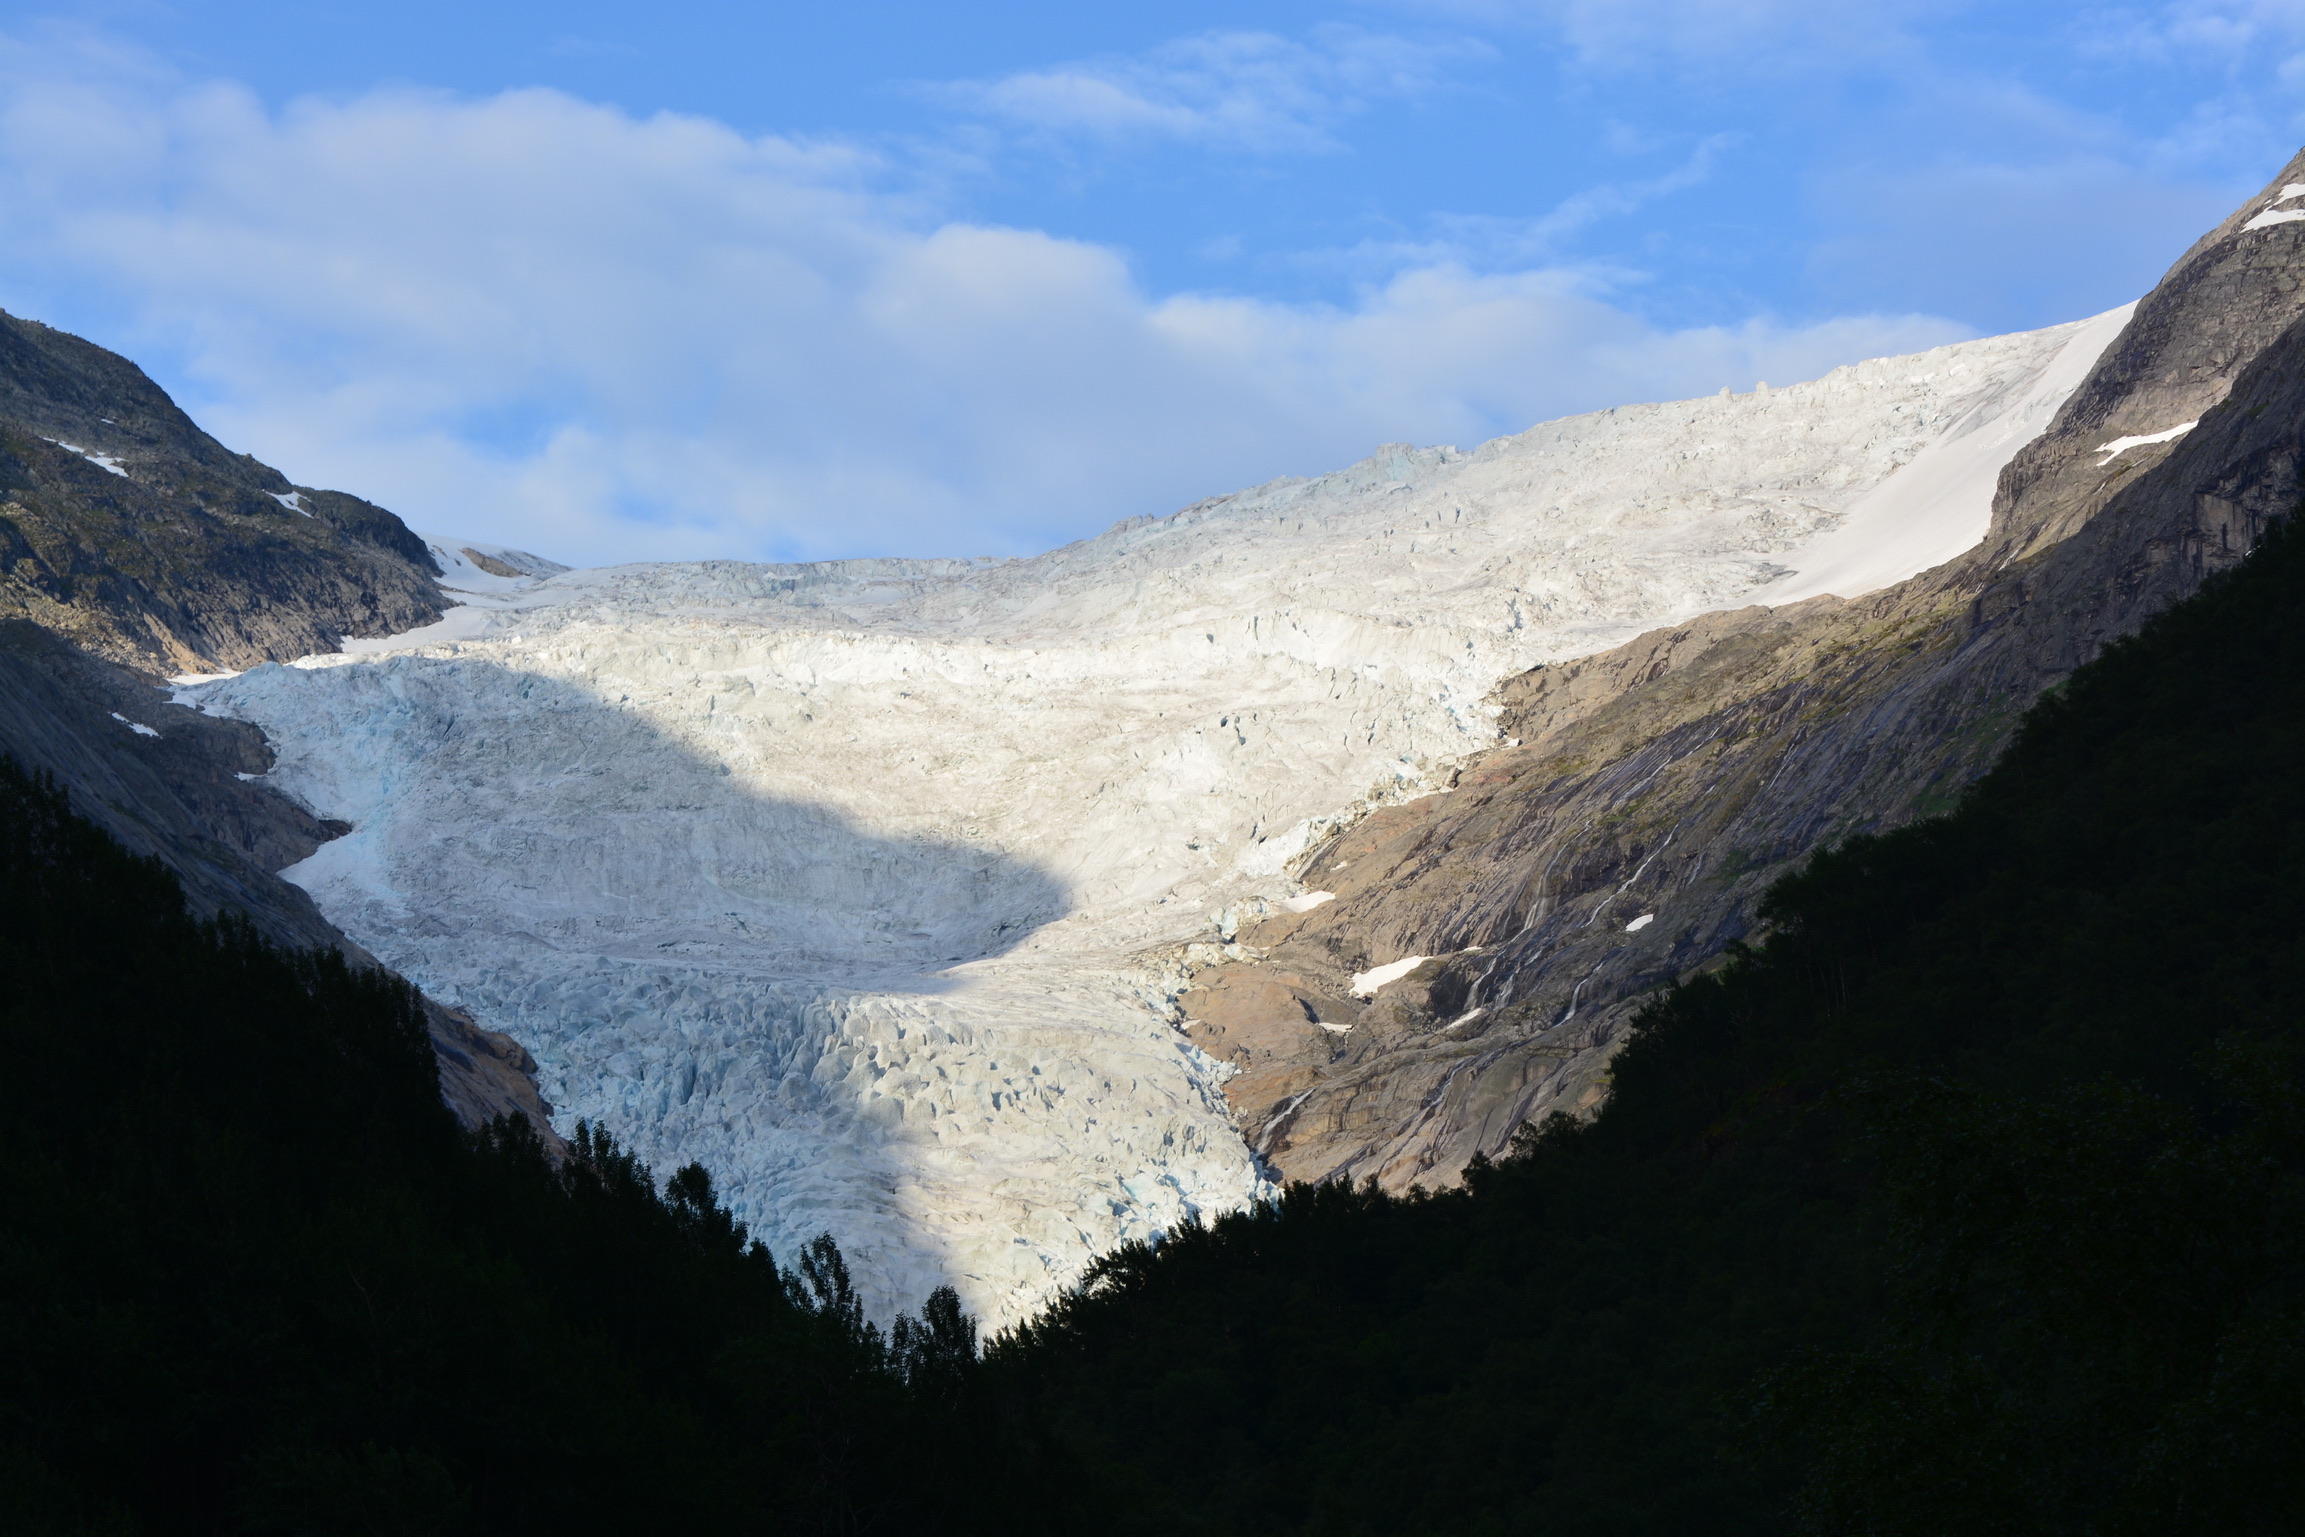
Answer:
x=870 y=884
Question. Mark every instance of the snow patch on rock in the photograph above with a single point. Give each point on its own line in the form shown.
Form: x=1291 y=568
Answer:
x=2120 y=446
x=101 y=461
x=1366 y=983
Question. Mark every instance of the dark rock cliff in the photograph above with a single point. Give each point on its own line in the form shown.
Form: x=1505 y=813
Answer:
x=126 y=528
x=132 y=543
x=1678 y=776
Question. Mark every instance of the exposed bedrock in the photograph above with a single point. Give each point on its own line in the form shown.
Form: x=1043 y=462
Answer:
x=131 y=532
x=1659 y=787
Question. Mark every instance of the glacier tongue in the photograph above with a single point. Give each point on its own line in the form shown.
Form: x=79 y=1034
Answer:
x=866 y=883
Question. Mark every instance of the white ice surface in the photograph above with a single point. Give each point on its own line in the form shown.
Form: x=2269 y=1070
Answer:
x=292 y=500
x=1640 y=923
x=869 y=883
x=136 y=726
x=1941 y=503
x=2273 y=216
x=2120 y=446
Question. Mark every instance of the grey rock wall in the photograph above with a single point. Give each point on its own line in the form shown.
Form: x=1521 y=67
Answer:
x=126 y=528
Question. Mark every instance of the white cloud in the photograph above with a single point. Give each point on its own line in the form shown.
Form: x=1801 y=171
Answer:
x=2222 y=27
x=535 y=319
x=1249 y=91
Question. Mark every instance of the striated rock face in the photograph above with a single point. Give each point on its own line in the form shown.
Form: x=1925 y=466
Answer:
x=127 y=529
x=1659 y=787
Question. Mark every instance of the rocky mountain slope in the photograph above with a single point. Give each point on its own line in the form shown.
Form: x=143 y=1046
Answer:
x=133 y=544
x=127 y=529
x=871 y=885
x=1658 y=788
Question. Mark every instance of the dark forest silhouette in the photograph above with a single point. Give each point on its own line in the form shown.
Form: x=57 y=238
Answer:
x=1968 y=1200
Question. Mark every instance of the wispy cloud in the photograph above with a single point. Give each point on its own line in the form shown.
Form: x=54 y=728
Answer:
x=2230 y=28
x=530 y=317
x=1253 y=92
x=1491 y=243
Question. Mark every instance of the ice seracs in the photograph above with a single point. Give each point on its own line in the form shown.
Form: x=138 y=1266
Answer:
x=870 y=883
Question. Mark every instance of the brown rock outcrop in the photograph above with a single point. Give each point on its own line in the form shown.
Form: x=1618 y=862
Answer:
x=1673 y=779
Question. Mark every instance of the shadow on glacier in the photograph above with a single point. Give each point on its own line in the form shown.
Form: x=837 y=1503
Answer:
x=708 y=971
x=596 y=830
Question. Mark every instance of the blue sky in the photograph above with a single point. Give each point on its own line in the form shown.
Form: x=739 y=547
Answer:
x=782 y=281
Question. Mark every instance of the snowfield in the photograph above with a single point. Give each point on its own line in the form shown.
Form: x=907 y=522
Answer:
x=869 y=884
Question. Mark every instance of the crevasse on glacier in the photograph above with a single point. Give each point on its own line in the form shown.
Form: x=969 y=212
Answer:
x=868 y=883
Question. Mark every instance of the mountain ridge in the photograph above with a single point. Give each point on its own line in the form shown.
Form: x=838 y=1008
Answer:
x=1822 y=720
x=133 y=544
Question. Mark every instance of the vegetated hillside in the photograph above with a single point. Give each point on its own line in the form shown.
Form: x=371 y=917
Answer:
x=253 y=1278
x=1968 y=1201
x=128 y=530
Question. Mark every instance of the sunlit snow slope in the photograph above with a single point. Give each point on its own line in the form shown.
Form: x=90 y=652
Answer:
x=866 y=883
